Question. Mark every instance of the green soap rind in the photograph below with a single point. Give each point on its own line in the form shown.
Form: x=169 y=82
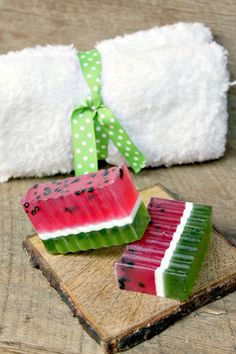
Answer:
x=102 y=238
x=188 y=257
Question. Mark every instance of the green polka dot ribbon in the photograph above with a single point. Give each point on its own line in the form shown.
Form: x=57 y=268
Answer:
x=93 y=124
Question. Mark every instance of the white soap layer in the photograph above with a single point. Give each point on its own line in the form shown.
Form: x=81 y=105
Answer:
x=159 y=272
x=94 y=227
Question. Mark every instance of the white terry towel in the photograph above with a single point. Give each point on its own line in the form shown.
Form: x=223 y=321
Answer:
x=166 y=85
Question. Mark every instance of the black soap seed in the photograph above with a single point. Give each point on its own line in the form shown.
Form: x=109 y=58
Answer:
x=33 y=212
x=121 y=282
x=36 y=208
x=131 y=250
x=90 y=182
x=141 y=284
x=57 y=189
x=76 y=180
x=162 y=210
x=93 y=175
x=26 y=205
x=90 y=189
x=71 y=209
x=27 y=211
x=121 y=173
x=130 y=264
x=123 y=260
x=35 y=186
x=106 y=173
x=77 y=192
x=47 y=191
x=38 y=197
x=106 y=181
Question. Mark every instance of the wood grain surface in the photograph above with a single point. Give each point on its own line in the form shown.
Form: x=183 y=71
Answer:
x=116 y=319
x=32 y=317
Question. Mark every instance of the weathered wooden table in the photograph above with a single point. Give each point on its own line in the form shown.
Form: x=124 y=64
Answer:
x=32 y=317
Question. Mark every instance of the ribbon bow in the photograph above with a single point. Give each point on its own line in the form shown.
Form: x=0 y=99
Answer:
x=93 y=124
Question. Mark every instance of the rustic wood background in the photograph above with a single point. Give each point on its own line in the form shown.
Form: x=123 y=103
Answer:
x=32 y=317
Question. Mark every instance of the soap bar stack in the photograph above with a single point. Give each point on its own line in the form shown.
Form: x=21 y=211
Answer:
x=167 y=260
x=167 y=242
x=87 y=212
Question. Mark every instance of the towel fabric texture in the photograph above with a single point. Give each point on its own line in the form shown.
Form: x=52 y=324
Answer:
x=167 y=86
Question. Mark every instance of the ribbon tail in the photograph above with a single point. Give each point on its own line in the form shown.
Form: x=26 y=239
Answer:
x=121 y=139
x=84 y=142
x=101 y=140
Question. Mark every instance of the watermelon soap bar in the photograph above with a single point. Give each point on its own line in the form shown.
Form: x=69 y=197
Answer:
x=87 y=212
x=168 y=259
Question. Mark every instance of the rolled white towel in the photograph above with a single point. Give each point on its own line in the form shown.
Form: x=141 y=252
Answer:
x=167 y=86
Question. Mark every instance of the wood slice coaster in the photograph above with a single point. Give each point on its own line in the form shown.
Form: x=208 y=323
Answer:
x=119 y=319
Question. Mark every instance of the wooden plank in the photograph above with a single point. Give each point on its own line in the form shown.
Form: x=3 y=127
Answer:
x=117 y=319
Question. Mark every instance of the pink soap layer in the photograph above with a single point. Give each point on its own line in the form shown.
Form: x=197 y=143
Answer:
x=80 y=201
x=148 y=252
